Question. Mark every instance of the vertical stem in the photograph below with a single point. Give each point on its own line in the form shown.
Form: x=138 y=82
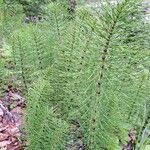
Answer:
x=22 y=55
x=98 y=87
x=57 y=25
x=38 y=51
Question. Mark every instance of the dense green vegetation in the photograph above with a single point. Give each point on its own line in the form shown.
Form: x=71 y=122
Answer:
x=90 y=71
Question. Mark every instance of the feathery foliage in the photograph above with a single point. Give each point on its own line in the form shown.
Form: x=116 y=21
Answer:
x=93 y=70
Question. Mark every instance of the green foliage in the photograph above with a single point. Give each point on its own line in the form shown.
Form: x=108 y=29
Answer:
x=45 y=129
x=93 y=70
x=11 y=18
x=30 y=7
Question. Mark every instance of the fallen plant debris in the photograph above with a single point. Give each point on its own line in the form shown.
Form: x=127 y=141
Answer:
x=75 y=138
x=11 y=120
x=131 y=141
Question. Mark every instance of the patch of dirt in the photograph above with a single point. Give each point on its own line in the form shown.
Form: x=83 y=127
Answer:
x=75 y=139
x=11 y=120
x=131 y=143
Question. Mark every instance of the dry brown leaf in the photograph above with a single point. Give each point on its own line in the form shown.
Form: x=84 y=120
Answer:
x=3 y=136
x=11 y=121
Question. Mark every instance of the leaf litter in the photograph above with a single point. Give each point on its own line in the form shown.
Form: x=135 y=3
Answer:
x=11 y=120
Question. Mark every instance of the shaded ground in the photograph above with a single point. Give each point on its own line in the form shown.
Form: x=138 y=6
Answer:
x=11 y=120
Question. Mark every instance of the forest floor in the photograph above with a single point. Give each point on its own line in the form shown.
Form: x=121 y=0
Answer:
x=11 y=120
x=12 y=112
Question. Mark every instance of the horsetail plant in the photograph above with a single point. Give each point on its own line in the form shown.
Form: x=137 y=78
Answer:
x=87 y=78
